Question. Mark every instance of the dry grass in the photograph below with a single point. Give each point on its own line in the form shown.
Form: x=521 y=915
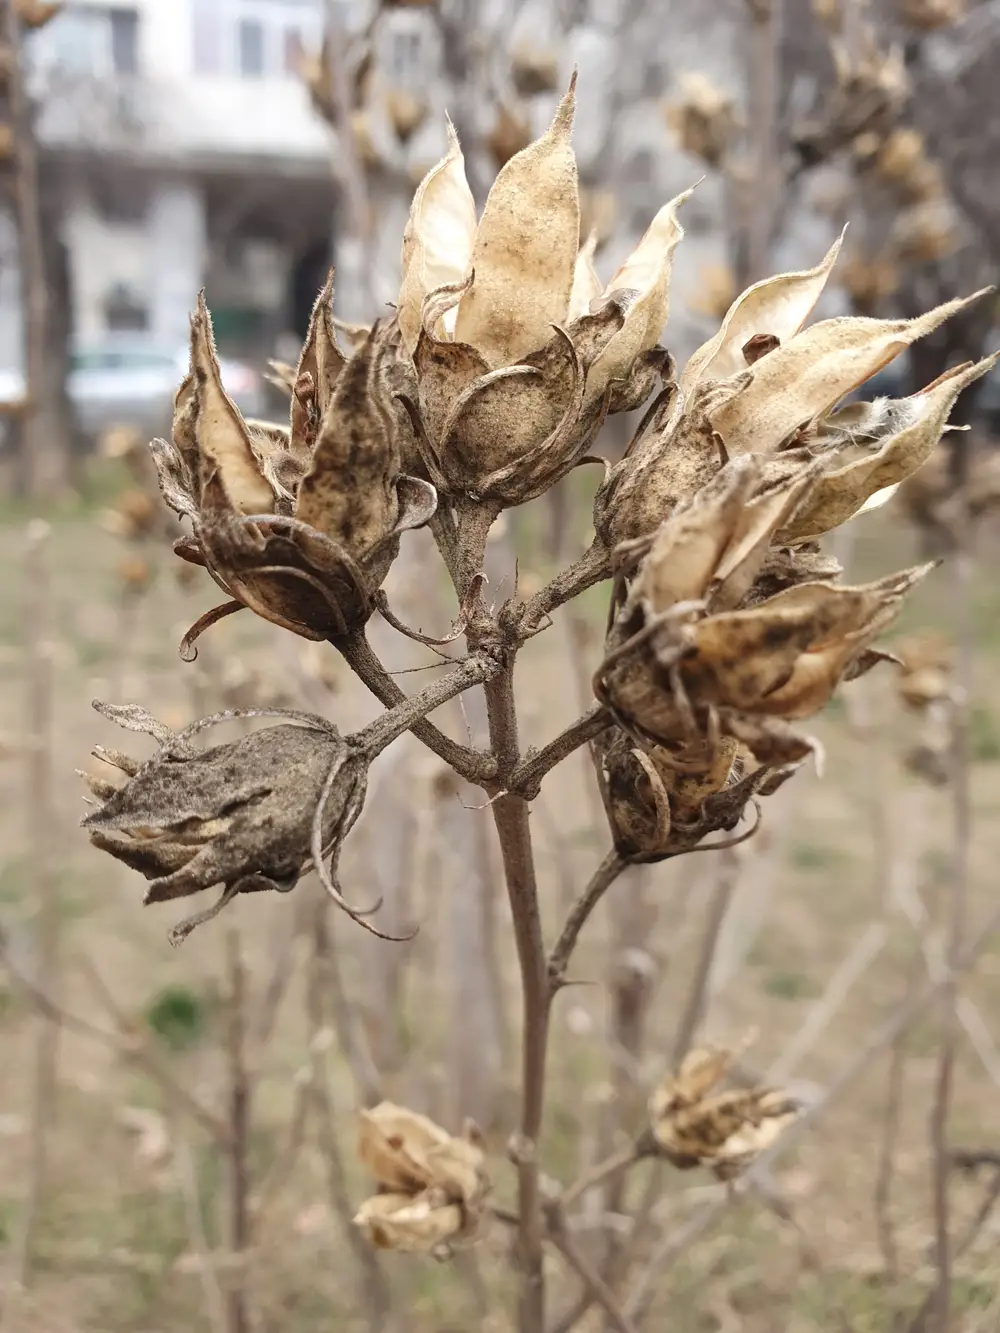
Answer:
x=117 y=1244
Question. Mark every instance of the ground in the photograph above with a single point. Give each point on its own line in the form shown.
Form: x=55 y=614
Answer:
x=118 y=1244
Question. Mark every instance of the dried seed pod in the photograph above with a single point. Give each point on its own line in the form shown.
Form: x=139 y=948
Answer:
x=517 y=354
x=663 y=802
x=249 y=815
x=928 y=15
x=298 y=523
x=869 y=282
x=927 y=663
x=511 y=133
x=678 y=671
x=725 y=1131
x=432 y=1186
x=702 y=117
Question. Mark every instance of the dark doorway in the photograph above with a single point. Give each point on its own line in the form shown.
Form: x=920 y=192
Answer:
x=310 y=266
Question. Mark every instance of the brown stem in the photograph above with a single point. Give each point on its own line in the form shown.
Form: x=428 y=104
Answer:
x=473 y=765
x=958 y=914
x=405 y=715
x=510 y=815
x=594 y=566
x=600 y=1171
x=601 y=880
x=527 y=777
x=237 y=1211
x=594 y=1284
x=41 y=822
x=728 y=867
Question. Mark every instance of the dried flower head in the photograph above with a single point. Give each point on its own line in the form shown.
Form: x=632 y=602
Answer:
x=682 y=666
x=761 y=385
x=702 y=117
x=928 y=15
x=432 y=1186
x=926 y=666
x=300 y=523
x=518 y=351
x=869 y=282
x=663 y=802
x=690 y=1125
x=252 y=814
x=510 y=133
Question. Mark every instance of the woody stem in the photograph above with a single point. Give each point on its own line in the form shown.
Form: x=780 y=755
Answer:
x=406 y=714
x=510 y=815
x=470 y=764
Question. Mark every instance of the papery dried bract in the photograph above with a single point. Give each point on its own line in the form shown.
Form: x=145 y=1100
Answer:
x=432 y=1183
x=525 y=249
x=724 y=1131
x=808 y=375
x=438 y=239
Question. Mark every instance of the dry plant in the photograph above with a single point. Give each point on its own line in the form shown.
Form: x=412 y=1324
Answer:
x=727 y=628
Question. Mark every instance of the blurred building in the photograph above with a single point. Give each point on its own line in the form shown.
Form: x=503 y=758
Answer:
x=186 y=154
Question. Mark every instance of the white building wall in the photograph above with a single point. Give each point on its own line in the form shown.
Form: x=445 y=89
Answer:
x=176 y=246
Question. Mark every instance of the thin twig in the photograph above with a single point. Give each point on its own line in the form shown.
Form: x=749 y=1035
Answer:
x=600 y=1171
x=601 y=880
x=527 y=777
x=404 y=715
x=473 y=765
x=594 y=1284
x=41 y=823
x=594 y=566
x=728 y=866
x=187 y=1179
x=237 y=1212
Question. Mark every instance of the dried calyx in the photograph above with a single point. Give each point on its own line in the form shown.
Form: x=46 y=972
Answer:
x=432 y=1187
x=518 y=350
x=692 y=1124
x=250 y=815
x=766 y=385
x=704 y=677
x=300 y=523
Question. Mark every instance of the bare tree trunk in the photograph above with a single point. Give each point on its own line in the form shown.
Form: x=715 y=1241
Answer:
x=44 y=443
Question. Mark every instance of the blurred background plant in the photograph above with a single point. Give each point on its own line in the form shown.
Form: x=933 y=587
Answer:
x=153 y=148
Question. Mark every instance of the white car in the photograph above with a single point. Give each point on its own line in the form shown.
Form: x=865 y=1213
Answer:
x=126 y=380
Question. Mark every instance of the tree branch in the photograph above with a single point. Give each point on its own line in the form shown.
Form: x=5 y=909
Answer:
x=409 y=712
x=594 y=566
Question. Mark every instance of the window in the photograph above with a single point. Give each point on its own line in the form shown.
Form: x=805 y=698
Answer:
x=251 y=48
x=124 y=40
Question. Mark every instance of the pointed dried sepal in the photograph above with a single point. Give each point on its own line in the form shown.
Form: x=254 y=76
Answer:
x=642 y=286
x=726 y=1131
x=777 y=306
x=438 y=239
x=805 y=377
x=221 y=433
x=526 y=247
x=315 y=377
x=873 y=447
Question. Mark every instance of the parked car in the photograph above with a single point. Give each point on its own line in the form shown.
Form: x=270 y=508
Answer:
x=127 y=380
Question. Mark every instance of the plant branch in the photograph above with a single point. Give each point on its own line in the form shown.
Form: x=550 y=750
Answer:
x=237 y=1225
x=594 y=566
x=409 y=712
x=527 y=777
x=601 y=880
x=470 y=764
x=594 y=1284
x=510 y=815
x=600 y=1171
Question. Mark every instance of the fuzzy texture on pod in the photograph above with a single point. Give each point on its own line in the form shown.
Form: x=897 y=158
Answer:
x=300 y=523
